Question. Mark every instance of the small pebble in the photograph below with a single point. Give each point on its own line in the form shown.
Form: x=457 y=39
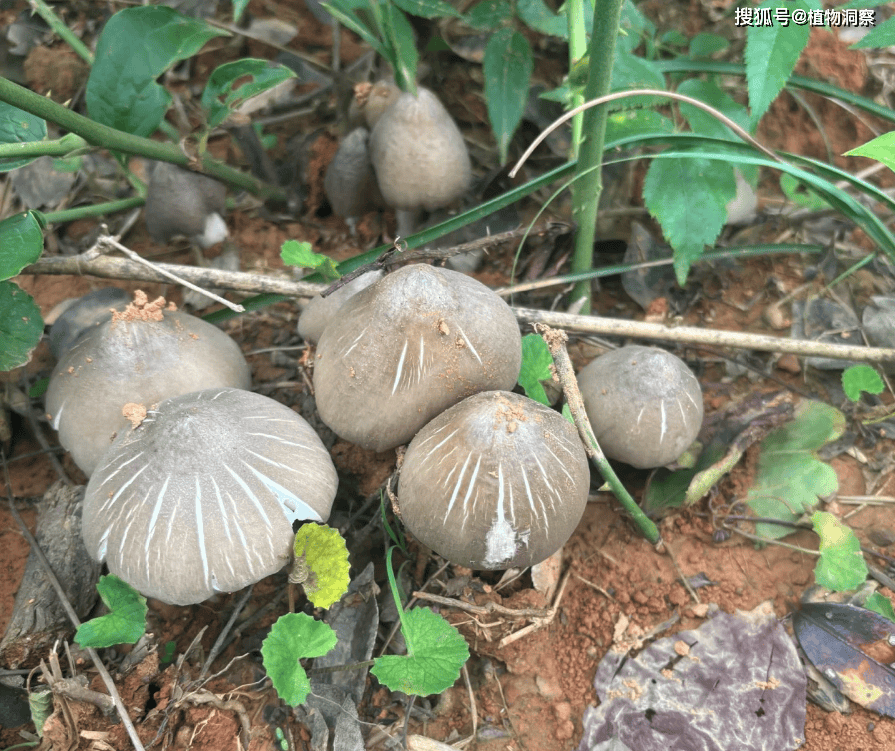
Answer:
x=789 y=363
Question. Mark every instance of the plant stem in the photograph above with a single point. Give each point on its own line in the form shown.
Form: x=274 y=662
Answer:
x=57 y=147
x=64 y=33
x=577 y=49
x=556 y=343
x=586 y=193
x=116 y=140
x=99 y=209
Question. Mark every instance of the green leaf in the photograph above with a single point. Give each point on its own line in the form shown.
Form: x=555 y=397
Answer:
x=344 y=14
x=126 y=622
x=536 y=362
x=860 y=378
x=428 y=8
x=536 y=15
x=879 y=36
x=881 y=148
x=800 y=194
x=632 y=72
x=701 y=121
x=706 y=45
x=321 y=563
x=222 y=95
x=790 y=477
x=239 y=7
x=841 y=565
x=488 y=14
x=293 y=637
x=18 y=126
x=634 y=27
x=771 y=54
x=136 y=46
x=21 y=243
x=634 y=122
x=434 y=661
x=689 y=199
x=507 y=68
x=295 y=253
x=20 y=326
x=399 y=33
x=882 y=605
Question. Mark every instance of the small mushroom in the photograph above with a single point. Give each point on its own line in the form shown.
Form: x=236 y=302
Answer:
x=80 y=316
x=419 y=156
x=200 y=496
x=645 y=405
x=350 y=184
x=321 y=310
x=370 y=101
x=145 y=354
x=498 y=480
x=408 y=347
x=183 y=202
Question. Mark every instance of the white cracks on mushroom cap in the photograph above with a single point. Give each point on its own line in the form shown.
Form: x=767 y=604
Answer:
x=356 y=341
x=249 y=493
x=469 y=345
x=663 y=425
x=400 y=368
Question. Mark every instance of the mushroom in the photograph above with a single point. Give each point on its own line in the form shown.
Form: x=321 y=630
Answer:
x=408 y=347
x=498 y=480
x=645 y=405
x=350 y=184
x=320 y=310
x=145 y=354
x=200 y=496
x=419 y=156
x=370 y=101
x=79 y=316
x=182 y=202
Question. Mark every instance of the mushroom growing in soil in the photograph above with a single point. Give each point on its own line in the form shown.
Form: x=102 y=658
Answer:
x=498 y=480
x=321 y=310
x=183 y=202
x=644 y=404
x=200 y=496
x=419 y=156
x=350 y=184
x=145 y=354
x=408 y=347
x=80 y=316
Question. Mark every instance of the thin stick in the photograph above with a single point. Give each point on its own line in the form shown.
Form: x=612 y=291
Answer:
x=556 y=343
x=219 y=643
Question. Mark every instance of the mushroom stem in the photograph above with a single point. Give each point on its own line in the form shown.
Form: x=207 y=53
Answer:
x=408 y=221
x=556 y=342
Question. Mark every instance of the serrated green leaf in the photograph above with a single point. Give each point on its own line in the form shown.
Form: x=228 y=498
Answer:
x=771 y=55
x=701 y=121
x=222 y=96
x=135 y=47
x=428 y=8
x=706 y=45
x=536 y=362
x=882 y=605
x=881 y=148
x=632 y=72
x=633 y=27
x=433 y=662
x=21 y=326
x=693 y=214
x=322 y=556
x=536 y=15
x=293 y=637
x=882 y=35
x=21 y=243
x=629 y=123
x=18 y=126
x=841 y=566
x=507 y=68
x=295 y=253
x=860 y=378
x=488 y=14
x=126 y=622
x=790 y=477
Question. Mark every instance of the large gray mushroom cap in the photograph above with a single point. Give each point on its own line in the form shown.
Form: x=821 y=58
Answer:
x=495 y=481
x=321 y=310
x=182 y=202
x=82 y=315
x=200 y=497
x=644 y=404
x=406 y=348
x=143 y=355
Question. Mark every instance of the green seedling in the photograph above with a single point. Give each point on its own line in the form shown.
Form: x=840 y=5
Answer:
x=536 y=364
x=126 y=622
x=861 y=378
x=301 y=254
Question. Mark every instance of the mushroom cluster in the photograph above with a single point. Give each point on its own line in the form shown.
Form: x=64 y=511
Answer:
x=408 y=347
x=145 y=354
x=498 y=480
x=200 y=495
x=644 y=404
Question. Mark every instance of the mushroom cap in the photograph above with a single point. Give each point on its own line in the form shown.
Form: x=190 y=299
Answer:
x=419 y=154
x=350 y=184
x=498 y=480
x=84 y=314
x=135 y=359
x=644 y=404
x=183 y=202
x=408 y=347
x=200 y=497
x=321 y=310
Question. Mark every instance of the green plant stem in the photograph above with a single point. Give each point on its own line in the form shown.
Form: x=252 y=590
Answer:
x=393 y=585
x=57 y=147
x=577 y=49
x=115 y=140
x=556 y=342
x=586 y=192
x=59 y=27
x=99 y=209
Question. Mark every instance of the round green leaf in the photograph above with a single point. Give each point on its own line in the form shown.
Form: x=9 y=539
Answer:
x=860 y=378
x=20 y=326
x=126 y=622
x=222 y=95
x=507 y=67
x=293 y=637
x=18 y=126
x=21 y=243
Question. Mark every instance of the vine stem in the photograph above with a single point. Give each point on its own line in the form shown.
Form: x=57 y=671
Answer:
x=59 y=27
x=556 y=342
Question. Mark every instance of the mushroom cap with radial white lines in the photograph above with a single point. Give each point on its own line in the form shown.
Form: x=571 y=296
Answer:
x=644 y=404
x=201 y=496
x=498 y=480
